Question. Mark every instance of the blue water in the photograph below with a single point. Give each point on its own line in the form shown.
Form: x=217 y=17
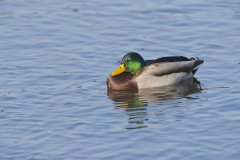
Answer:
x=56 y=55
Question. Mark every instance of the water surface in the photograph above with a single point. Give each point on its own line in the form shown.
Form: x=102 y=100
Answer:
x=55 y=57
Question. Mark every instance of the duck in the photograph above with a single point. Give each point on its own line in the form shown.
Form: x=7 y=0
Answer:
x=135 y=73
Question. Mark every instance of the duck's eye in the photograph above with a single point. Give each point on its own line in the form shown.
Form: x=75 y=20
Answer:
x=128 y=60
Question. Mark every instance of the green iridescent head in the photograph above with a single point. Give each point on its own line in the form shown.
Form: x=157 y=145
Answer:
x=131 y=62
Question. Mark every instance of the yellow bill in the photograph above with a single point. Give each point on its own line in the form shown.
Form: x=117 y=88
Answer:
x=119 y=70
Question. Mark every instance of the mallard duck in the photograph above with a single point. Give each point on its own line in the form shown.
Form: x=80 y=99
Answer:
x=135 y=73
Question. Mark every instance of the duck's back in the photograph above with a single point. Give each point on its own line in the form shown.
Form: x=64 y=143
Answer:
x=167 y=71
x=167 y=59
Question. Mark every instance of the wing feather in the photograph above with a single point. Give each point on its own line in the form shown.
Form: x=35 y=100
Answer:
x=160 y=69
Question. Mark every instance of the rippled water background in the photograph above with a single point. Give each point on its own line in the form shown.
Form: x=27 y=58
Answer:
x=55 y=56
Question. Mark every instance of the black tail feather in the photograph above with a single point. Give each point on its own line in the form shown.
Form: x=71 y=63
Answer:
x=196 y=64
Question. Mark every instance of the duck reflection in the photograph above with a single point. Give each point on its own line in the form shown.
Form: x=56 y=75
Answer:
x=135 y=102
